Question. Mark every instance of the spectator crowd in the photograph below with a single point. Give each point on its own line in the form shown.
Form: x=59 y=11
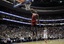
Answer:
x=25 y=33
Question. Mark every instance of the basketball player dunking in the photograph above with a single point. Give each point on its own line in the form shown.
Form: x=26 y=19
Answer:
x=34 y=23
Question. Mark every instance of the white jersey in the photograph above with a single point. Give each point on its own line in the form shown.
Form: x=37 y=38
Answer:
x=45 y=33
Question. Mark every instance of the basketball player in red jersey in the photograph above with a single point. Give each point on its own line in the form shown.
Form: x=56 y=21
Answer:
x=34 y=23
x=34 y=17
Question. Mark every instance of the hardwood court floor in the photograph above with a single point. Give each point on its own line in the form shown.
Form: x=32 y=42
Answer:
x=59 y=41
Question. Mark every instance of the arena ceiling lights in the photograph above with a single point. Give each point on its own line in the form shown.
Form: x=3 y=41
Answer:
x=30 y=18
x=30 y=23
x=15 y=21
x=41 y=10
x=8 y=1
x=14 y=15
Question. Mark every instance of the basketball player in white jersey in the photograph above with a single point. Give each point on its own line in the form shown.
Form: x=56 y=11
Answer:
x=45 y=35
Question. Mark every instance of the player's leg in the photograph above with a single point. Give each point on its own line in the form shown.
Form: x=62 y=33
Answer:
x=45 y=39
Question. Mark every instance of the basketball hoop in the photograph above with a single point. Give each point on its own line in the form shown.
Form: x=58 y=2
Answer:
x=26 y=3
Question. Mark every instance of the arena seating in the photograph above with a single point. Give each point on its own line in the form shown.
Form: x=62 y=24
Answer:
x=24 y=33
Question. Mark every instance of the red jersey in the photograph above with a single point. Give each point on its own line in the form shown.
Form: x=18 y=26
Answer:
x=34 y=16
